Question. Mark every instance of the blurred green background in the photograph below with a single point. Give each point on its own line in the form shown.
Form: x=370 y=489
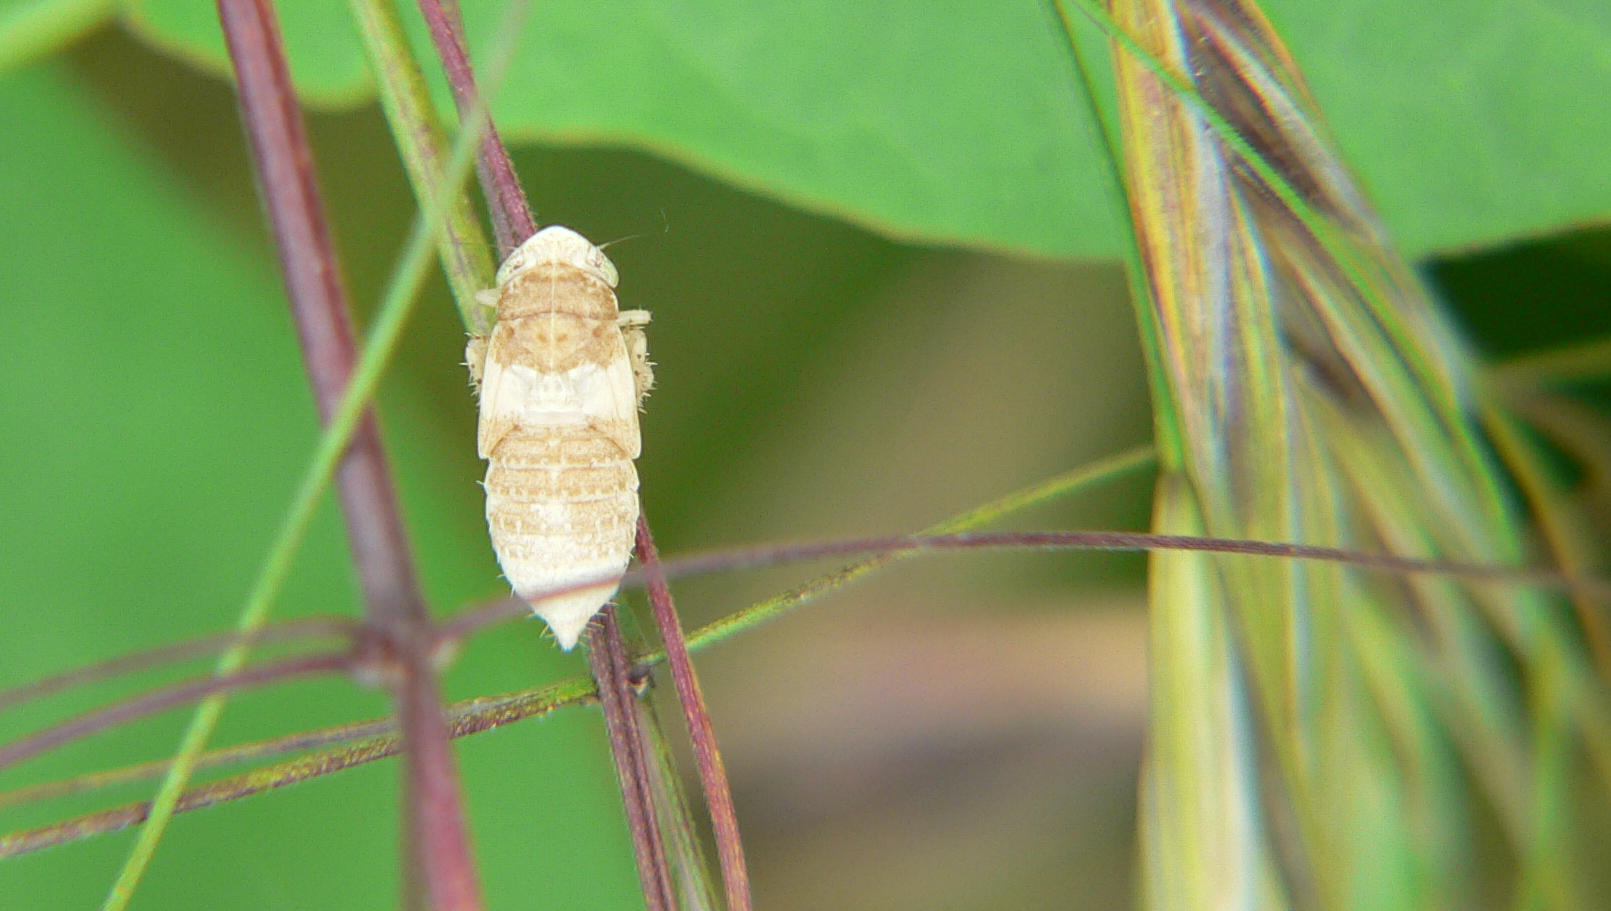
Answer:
x=961 y=733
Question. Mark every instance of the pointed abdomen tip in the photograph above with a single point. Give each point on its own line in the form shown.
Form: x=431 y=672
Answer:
x=567 y=615
x=568 y=633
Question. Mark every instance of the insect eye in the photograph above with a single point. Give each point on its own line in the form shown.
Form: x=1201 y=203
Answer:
x=515 y=263
x=602 y=265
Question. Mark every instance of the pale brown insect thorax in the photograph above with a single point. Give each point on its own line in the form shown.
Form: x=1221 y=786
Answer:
x=557 y=288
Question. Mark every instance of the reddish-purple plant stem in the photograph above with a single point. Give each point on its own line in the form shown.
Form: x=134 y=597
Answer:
x=382 y=744
x=437 y=835
x=512 y=220
x=318 y=300
x=200 y=797
x=606 y=653
x=135 y=662
x=474 y=721
x=166 y=698
x=701 y=733
x=393 y=605
x=470 y=621
x=632 y=721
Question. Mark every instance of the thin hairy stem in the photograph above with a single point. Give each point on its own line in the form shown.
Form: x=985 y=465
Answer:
x=168 y=697
x=135 y=662
x=1108 y=541
x=375 y=739
x=512 y=219
x=393 y=605
x=707 y=753
x=482 y=714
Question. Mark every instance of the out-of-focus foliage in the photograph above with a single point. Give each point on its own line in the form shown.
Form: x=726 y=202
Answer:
x=815 y=379
x=157 y=418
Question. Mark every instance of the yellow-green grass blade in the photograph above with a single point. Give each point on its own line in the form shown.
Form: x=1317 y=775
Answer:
x=1219 y=354
x=1322 y=397
x=1204 y=843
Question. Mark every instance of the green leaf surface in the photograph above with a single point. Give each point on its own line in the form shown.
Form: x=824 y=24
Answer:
x=321 y=43
x=957 y=122
x=33 y=28
x=1469 y=124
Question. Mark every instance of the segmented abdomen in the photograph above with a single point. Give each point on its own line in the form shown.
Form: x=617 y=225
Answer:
x=562 y=507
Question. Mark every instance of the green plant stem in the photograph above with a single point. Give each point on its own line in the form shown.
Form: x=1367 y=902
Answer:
x=512 y=218
x=685 y=850
x=464 y=248
x=1102 y=471
x=369 y=740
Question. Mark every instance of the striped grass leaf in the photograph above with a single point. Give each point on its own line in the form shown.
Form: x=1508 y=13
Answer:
x=1318 y=739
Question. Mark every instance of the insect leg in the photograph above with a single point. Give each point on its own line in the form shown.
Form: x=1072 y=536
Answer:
x=475 y=351
x=475 y=358
x=637 y=344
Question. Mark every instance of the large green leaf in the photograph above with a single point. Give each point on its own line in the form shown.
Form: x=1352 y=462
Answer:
x=321 y=43
x=956 y=122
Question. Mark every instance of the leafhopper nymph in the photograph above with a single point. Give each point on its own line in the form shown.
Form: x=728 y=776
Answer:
x=562 y=375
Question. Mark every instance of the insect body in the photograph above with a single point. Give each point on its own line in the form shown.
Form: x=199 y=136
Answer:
x=562 y=375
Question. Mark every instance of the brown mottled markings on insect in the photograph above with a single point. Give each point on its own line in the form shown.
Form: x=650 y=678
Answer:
x=562 y=375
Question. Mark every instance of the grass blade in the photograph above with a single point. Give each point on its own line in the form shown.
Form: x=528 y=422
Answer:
x=1322 y=397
